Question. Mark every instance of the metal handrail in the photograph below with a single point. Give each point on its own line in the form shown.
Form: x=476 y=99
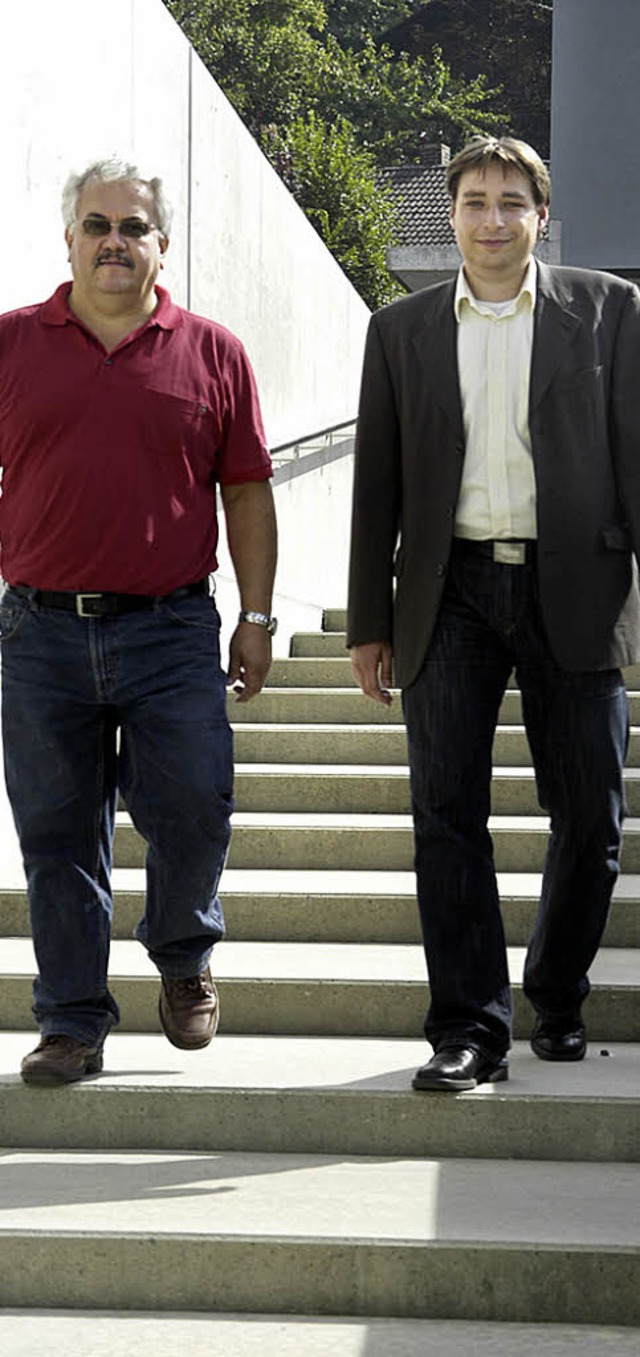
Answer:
x=311 y=437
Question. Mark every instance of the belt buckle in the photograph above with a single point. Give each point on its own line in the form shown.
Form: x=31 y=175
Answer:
x=80 y=604
x=510 y=553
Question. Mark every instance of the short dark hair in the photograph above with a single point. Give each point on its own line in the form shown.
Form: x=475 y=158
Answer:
x=508 y=152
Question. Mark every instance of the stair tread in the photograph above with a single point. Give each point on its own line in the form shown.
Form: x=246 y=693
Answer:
x=294 y=881
x=535 y=824
x=118 y=1333
x=318 y=1065
x=369 y=770
x=382 y=1200
x=372 y=726
x=323 y=961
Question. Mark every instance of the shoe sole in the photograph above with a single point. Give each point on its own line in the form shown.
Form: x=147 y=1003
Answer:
x=440 y=1084
x=50 y=1078
x=190 y=1045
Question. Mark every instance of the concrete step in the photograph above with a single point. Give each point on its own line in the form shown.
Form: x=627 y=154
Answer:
x=291 y=742
x=348 y=706
x=318 y=644
x=333 y=1096
x=95 y=1333
x=332 y=642
x=308 y=841
x=376 y=789
x=329 y=706
x=334 y=619
x=318 y=989
x=283 y=906
x=335 y=624
x=461 y=1239
x=312 y=673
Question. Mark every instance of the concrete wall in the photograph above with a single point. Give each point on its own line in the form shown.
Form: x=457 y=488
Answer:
x=595 y=131
x=314 y=526
x=78 y=81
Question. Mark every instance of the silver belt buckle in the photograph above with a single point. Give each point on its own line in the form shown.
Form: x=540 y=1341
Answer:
x=80 y=604
x=510 y=553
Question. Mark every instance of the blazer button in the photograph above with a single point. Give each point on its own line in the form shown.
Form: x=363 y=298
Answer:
x=460 y=449
x=441 y=570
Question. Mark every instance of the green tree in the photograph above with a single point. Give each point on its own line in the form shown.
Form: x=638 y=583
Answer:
x=334 y=181
x=305 y=72
x=508 y=40
x=353 y=21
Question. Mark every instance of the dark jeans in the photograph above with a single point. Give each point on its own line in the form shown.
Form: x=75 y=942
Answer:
x=577 y=727
x=135 y=702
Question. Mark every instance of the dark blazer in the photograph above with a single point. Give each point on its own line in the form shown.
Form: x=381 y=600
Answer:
x=584 y=419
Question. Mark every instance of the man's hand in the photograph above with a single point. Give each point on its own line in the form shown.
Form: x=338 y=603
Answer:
x=372 y=670
x=249 y=660
x=252 y=540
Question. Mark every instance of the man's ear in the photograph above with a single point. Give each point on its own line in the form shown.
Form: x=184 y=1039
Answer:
x=543 y=217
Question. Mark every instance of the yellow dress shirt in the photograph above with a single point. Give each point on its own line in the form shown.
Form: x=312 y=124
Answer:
x=498 y=493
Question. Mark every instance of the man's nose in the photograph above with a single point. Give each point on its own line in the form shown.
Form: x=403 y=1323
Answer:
x=495 y=214
x=114 y=238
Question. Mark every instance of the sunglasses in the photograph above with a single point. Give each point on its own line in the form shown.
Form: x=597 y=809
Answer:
x=133 y=228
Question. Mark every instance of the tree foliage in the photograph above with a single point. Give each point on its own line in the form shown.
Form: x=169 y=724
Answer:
x=333 y=179
x=508 y=40
x=325 y=99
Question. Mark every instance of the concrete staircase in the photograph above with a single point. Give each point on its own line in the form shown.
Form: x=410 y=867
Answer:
x=285 y=1191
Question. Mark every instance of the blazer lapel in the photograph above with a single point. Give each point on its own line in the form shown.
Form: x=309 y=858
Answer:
x=436 y=345
x=555 y=327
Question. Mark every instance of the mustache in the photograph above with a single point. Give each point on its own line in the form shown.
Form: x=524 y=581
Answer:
x=106 y=255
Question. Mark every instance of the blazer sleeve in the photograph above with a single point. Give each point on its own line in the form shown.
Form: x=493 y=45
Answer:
x=376 y=498
x=625 y=408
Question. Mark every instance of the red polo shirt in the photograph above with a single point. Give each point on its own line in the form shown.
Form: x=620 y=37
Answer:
x=110 y=460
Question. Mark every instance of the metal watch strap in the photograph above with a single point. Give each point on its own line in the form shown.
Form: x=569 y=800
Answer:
x=260 y=619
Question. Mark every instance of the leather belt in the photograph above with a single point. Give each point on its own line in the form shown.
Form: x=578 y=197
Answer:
x=105 y=605
x=505 y=551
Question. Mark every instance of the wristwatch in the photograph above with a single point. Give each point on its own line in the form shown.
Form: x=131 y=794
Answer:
x=261 y=620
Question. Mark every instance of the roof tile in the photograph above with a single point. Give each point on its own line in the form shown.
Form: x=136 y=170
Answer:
x=421 y=201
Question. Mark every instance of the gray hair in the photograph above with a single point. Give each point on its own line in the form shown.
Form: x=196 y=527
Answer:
x=112 y=170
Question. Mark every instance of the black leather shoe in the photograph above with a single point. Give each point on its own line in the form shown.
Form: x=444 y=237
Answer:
x=558 y=1036
x=458 y=1068
x=60 y=1060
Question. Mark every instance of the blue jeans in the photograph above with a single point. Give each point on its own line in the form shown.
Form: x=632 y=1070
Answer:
x=577 y=726
x=89 y=706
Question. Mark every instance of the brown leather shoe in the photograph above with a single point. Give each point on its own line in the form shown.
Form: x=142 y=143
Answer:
x=60 y=1060
x=189 y=1010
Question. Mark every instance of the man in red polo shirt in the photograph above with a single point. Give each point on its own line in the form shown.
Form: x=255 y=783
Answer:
x=119 y=415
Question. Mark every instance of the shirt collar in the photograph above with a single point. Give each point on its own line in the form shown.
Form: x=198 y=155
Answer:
x=464 y=296
x=56 y=310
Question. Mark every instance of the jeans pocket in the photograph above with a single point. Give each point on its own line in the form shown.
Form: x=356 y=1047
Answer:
x=13 y=610
x=196 y=611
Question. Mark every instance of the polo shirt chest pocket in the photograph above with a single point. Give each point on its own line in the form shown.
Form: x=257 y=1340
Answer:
x=180 y=427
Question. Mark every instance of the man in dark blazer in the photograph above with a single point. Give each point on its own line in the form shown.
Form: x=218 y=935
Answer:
x=496 y=510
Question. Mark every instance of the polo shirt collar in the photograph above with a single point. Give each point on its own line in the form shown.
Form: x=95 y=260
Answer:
x=464 y=296
x=56 y=310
